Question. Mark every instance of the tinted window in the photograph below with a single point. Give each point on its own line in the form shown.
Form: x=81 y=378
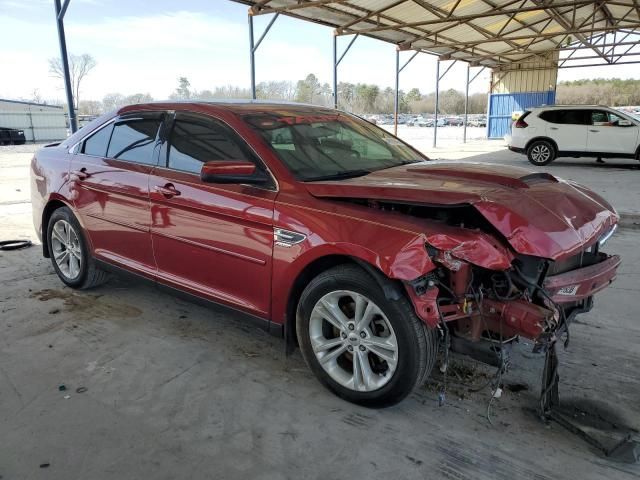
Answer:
x=566 y=117
x=549 y=116
x=134 y=140
x=97 y=143
x=196 y=140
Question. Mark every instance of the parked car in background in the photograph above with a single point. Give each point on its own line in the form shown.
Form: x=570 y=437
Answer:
x=452 y=121
x=12 y=136
x=545 y=133
x=323 y=228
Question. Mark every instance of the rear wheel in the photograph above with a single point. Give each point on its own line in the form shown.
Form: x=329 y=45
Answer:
x=69 y=252
x=541 y=152
x=364 y=347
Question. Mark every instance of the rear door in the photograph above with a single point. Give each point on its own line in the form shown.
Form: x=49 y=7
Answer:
x=568 y=128
x=110 y=183
x=211 y=239
x=610 y=133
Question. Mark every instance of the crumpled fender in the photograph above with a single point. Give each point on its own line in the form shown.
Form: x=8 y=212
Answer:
x=474 y=247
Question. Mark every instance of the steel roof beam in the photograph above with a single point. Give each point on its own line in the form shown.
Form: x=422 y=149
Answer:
x=369 y=15
x=63 y=10
x=443 y=16
x=295 y=6
x=564 y=23
x=465 y=18
x=527 y=37
x=527 y=40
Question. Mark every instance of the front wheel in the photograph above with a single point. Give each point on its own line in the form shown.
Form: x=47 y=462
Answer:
x=541 y=152
x=364 y=347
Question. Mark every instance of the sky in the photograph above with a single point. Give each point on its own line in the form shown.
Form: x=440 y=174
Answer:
x=143 y=47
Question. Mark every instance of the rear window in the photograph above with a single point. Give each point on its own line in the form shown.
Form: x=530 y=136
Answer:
x=565 y=117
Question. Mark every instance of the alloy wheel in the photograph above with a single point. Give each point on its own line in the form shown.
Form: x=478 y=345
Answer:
x=66 y=249
x=540 y=153
x=353 y=340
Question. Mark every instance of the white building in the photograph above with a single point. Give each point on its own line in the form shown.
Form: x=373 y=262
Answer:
x=40 y=123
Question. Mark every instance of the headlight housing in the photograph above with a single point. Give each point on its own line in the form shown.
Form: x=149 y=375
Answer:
x=607 y=235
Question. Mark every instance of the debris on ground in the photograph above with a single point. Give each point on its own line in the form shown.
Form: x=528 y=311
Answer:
x=517 y=387
x=81 y=389
x=62 y=387
x=14 y=244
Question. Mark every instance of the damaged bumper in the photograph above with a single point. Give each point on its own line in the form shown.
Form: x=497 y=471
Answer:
x=584 y=282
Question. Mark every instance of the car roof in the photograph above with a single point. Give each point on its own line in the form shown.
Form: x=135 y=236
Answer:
x=235 y=105
x=574 y=107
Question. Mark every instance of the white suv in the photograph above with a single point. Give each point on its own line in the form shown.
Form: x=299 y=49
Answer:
x=544 y=133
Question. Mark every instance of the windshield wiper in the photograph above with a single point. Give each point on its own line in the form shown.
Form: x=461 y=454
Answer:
x=340 y=175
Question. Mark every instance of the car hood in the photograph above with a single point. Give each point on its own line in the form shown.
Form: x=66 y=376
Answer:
x=537 y=213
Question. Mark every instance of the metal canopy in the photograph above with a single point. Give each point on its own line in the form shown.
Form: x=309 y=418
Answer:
x=494 y=33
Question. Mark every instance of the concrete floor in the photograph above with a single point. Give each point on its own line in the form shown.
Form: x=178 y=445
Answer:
x=175 y=390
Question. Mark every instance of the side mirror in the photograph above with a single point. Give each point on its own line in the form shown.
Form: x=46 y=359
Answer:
x=625 y=123
x=231 y=171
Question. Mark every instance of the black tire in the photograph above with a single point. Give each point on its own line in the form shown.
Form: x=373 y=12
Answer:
x=541 y=152
x=417 y=345
x=89 y=274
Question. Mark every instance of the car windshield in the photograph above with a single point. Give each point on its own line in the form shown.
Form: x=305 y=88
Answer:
x=330 y=146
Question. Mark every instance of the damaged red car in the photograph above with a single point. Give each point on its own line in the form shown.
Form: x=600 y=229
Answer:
x=326 y=230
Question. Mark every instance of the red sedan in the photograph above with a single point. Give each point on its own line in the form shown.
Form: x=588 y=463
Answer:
x=328 y=231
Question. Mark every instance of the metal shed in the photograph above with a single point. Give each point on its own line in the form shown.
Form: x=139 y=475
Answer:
x=523 y=42
x=40 y=122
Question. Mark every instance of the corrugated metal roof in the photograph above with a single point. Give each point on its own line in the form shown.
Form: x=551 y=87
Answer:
x=493 y=33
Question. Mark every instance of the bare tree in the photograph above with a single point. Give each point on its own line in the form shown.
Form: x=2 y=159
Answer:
x=35 y=96
x=79 y=68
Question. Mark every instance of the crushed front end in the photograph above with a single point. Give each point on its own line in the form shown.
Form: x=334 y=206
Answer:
x=534 y=298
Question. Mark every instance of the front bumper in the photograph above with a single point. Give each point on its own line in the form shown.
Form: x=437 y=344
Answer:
x=576 y=285
x=516 y=149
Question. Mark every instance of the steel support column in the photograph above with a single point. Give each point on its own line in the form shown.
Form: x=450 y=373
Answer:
x=60 y=12
x=396 y=104
x=466 y=106
x=466 y=99
x=253 y=46
x=252 y=58
x=335 y=71
x=336 y=62
x=435 y=119
x=438 y=78
x=396 y=97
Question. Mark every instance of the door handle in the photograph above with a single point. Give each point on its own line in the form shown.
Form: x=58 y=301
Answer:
x=81 y=174
x=167 y=190
x=595 y=131
x=553 y=128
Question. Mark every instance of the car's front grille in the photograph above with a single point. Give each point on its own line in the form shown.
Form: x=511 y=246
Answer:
x=583 y=259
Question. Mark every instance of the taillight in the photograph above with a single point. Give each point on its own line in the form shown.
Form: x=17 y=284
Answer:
x=520 y=123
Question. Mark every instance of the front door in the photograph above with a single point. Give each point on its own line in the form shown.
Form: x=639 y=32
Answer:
x=110 y=183
x=213 y=240
x=608 y=135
